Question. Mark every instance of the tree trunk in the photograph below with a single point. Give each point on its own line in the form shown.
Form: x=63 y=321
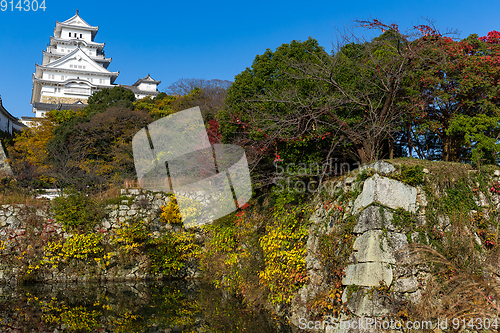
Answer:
x=391 y=148
x=360 y=149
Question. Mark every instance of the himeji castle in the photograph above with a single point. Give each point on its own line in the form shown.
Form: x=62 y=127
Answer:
x=74 y=66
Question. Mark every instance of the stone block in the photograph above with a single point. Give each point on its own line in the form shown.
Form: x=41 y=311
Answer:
x=106 y=224
x=381 y=167
x=388 y=192
x=415 y=297
x=13 y=222
x=403 y=285
x=481 y=200
x=368 y=274
x=374 y=217
x=369 y=303
x=377 y=246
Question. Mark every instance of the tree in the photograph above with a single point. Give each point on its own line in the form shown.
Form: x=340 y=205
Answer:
x=350 y=99
x=105 y=98
x=209 y=95
x=212 y=87
x=274 y=114
x=28 y=154
x=456 y=90
x=98 y=150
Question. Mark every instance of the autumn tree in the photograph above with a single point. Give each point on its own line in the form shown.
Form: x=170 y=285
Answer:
x=28 y=154
x=456 y=96
x=97 y=150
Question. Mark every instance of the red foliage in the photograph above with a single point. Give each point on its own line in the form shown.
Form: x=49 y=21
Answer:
x=493 y=37
x=427 y=30
x=213 y=132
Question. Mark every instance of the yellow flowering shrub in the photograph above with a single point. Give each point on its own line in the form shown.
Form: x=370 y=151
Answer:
x=131 y=236
x=171 y=212
x=284 y=247
x=170 y=252
x=78 y=246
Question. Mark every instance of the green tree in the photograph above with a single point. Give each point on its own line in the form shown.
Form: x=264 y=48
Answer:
x=303 y=104
x=105 y=98
x=273 y=111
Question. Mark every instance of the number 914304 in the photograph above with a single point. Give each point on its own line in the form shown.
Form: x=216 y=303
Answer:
x=22 y=5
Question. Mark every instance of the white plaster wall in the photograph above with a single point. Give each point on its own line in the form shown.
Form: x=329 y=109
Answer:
x=147 y=86
x=85 y=34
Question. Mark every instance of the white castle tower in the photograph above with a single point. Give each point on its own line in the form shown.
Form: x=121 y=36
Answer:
x=73 y=67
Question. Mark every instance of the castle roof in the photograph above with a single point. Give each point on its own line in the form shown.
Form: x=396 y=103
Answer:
x=7 y=114
x=60 y=106
x=136 y=90
x=146 y=79
x=106 y=61
x=78 y=54
x=77 y=41
x=75 y=22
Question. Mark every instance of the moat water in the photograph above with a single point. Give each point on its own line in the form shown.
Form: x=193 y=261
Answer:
x=177 y=306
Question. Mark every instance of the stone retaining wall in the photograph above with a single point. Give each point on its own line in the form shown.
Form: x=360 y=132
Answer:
x=378 y=278
x=140 y=205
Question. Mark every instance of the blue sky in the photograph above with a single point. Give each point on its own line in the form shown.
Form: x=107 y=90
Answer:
x=206 y=39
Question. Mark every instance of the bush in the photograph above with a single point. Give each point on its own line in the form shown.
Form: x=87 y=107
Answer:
x=83 y=247
x=170 y=252
x=411 y=175
x=78 y=212
x=171 y=212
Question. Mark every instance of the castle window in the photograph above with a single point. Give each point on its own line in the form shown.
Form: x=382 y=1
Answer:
x=70 y=34
x=75 y=34
x=80 y=35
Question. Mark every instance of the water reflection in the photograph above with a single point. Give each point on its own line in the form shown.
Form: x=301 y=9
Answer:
x=179 y=306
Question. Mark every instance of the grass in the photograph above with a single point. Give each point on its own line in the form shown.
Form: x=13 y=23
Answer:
x=454 y=291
